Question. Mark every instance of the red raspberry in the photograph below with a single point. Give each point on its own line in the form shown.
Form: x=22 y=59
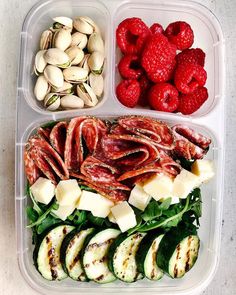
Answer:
x=156 y=28
x=128 y=92
x=163 y=73
x=191 y=56
x=190 y=103
x=188 y=77
x=145 y=85
x=157 y=53
x=180 y=34
x=131 y=35
x=163 y=97
x=129 y=67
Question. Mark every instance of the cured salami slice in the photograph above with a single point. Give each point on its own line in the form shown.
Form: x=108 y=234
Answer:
x=155 y=131
x=189 y=144
x=44 y=133
x=58 y=137
x=118 y=129
x=130 y=150
x=104 y=175
x=168 y=164
x=31 y=170
x=47 y=159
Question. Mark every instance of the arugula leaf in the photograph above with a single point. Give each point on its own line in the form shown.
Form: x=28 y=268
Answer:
x=99 y=221
x=49 y=124
x=78 y=217
x=36 y=207
x=135 y=228
x=186 y=164
x=46 y=223
x=31 y=214
x=86 y=188
x=165 y=204
x=152 y=211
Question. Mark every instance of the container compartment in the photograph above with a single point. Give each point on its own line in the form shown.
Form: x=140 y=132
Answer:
x=39 y=19
x=207 y=36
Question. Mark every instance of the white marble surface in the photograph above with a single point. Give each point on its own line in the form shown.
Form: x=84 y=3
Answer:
x=12 y=13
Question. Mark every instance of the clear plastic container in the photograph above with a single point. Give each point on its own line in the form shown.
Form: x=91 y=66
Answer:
x=209 y=120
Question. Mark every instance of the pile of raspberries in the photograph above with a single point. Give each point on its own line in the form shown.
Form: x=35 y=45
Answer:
x=159 y=68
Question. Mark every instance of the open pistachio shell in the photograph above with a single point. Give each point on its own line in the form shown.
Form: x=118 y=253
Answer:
x=64 y=90
x=85 y=92
x=45 y=40
x=54 y=76
x=39 y=62
x=62 y=39
x=57 y=57
x=96 y=61
x=97 y=83
x=52 y=101
x=83 y=25
x=79 y=39
x=75 y=55
x=95 y=43
x=41 y=88
x=71 y=102
x=84 y=62
x=75 y=74
x=62 y=22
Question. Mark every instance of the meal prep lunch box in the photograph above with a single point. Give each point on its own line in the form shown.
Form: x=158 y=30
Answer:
x=208 y=120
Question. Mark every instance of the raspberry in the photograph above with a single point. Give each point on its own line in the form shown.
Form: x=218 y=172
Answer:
x=128 y=92
x=191 y=56
x=131 y=35
x=180 y=34
x=156 y=28
x=188 y=77
x=129 y=67
x=157 y=53
x=145 y=85
x=190 y=103
x=163 y=73
x=163 y=97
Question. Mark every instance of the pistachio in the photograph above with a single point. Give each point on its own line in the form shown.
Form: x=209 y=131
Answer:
x=41 y=88
x=84 y=25
x=92 y=23
x=62 y=39
x=57 y=57
x=79 y=39
x=84 y=62
x=97 y=83
x=39 y=62
x=45 y=40
x=75 y=55
x=85 y=92
x=64 y=90
x=62 y=22
x=95 y=62
x=71 y=102
x=54 y=76
x=95 y=43
x=52 y=101
x=75 y=74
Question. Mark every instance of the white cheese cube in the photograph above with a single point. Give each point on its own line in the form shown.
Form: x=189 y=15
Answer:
x=139 y=198
x=96 y=203
x=124 y=216
x=160 y=186
x=203 y=169
x=43 y=190
x=67 y=192
x=111 y=218
x=184 y=183
x=64 y=211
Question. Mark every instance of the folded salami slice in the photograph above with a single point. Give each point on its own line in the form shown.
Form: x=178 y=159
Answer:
x=47 y=159
x=129 y=150
x=80 y=132
x=189 y=143
x=155 y=131
x=168 y=164
x=44 y=133
x=31 y=170
x=101 y=174
x=58 y=137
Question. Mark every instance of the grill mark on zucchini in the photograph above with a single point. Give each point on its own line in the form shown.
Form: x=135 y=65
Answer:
x=187 y=266
x=76 y=259
x=51 y=258
x=154 y=257
x=95 y=245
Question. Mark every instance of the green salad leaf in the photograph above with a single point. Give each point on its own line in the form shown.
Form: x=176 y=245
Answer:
x=78 y=217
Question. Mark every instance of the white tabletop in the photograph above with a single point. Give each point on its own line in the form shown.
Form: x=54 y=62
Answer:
x=12 y=13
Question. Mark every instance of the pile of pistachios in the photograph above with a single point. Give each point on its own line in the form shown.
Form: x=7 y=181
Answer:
x=69 y=64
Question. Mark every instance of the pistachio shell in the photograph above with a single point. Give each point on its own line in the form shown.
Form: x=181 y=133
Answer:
x=71 y=102
x=62 y=39
x=83 y=26
x=96 y=61
x=84 y=62
x=39 y=62
x=92 y=23
x=45 y=40
x=79 y=39
x=97 y=83
x=41 y=88
x=57 y=57
x=52 y=101
x=85 y=92
x=64 y=90
x=75 y=74
x=95 y=43
x=75 y=55
x=64 y=21
x=54 y=76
